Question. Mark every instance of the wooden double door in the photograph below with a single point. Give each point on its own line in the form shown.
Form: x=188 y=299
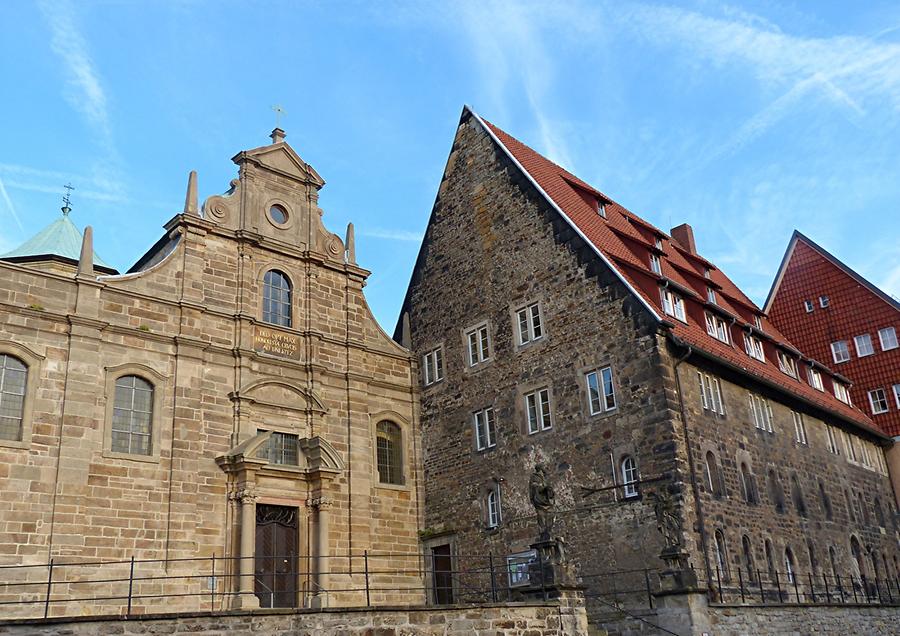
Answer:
x=277 y=562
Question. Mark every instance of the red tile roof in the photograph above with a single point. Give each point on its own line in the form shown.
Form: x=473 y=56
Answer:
x=626 y=241
x=855 y=307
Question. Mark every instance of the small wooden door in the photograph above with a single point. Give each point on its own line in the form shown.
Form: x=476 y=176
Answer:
x=276 y=560
x=442 y=574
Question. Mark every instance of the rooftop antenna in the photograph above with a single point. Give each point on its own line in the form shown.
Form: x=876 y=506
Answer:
x=66 y=208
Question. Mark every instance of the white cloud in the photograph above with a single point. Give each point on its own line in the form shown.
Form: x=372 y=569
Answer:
x=30 y=179
x=393 y=235
x=9 y=206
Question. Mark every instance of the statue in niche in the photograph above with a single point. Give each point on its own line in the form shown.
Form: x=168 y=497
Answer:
x=543 y=499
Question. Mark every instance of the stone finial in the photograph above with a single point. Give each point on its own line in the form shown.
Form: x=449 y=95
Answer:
x=86 y=260
x=350 y=245
x=405 y=333
x=191 y=207
x=277 y=136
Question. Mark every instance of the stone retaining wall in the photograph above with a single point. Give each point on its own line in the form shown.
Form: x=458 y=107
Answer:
x=734 y=620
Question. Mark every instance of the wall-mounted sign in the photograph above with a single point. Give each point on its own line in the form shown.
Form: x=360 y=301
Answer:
x=276 y=343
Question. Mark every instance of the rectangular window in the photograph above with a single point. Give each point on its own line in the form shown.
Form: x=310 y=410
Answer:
x=832 y=440
x=717 y=328
x=711 y=295
x=754 y=347
x=897 y=395
x=706 y=272
x=863 y=345
x=787 y=364
x=815 y=379
x=601 y=209
x=878 y=401
x=673 y=305
x=799 y=427
x=537 y=405
x=888 y=338
x=601 y=394
x=655 y=265
x=840 y=351
x=757 y=321
x=433 y=364
x=530 y=326
x=485 y=429
x=841 y=392
x=517 y=567
x=823 y=301
x=711 y=394
x=658 y=243
x=761 y=412
x=281 y=449
x=477 y=340
x=808 y=306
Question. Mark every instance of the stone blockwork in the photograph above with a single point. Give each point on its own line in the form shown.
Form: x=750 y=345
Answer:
x=519 y=619
x=810 y=619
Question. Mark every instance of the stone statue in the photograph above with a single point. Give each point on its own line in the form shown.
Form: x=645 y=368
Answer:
x=542 y=498
x=667 y=521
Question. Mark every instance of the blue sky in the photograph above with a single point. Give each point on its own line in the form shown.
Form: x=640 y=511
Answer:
x=746 y=121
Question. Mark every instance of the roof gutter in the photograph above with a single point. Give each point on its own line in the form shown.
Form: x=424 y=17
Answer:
x=578 y=231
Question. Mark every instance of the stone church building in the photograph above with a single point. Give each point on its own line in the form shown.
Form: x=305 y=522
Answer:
x=228 y=406
x=554 y=327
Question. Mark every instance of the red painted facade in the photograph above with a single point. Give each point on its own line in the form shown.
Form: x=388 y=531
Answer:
x=855 y=307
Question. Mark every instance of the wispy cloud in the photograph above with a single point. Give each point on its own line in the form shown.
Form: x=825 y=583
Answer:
x=9 y=206
x=50 y=182
x=393 y=235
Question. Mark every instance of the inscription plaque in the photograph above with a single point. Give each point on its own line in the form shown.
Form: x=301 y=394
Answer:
x=276 y=343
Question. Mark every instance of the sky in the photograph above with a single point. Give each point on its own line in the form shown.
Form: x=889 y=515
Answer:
x=745 y=120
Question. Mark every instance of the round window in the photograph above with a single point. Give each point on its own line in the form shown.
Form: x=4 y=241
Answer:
x=278 y=214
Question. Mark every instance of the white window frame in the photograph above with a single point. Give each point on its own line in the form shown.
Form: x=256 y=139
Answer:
x=787 y=364
x=601 y=209
x=824 y=301
x=630 y=476
x=485 y=429
x=494 y=507
x=849 y=447
x=832 y=440
x=433 y=365
x=717 y=328
x=799 y=428
x=882 y=399
x=808 y=306
x=815 y=379
x=757 y=320
x=754 y=347
x=655 y=264
x=658 y=243
x=891 y=338
x=842 y=393
x=673 y=305
x=538 y=413
x=896 y=388
x=478 y=344
x=761 y=411
x=517 y=568
x=711 y=295
x=861 y=352
x=601 y=390
x=529 y=323
x=840 y=347
x=711 y=393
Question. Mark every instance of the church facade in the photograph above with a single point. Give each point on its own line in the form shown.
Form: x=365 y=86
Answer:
x=228 y=400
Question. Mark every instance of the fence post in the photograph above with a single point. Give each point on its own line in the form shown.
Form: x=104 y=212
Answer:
x=49 y=588
x=887 y=584
x=840 y=587
x=130 y=585
x=864 y=586
x=812 y=589
x=647 y=583
x=741 y=583
x=366 y=567
x=827 y=592
x=853 y=585
x=796 y=587
x=493 y=577
x=212 y=585
x=762 y=594
x=719 y=583
x=778 y=586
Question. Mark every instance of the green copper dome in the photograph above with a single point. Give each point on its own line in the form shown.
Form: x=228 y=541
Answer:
x=60 y=238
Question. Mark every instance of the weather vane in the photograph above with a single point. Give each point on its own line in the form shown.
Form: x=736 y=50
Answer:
x=279 y=111
x=67 y=199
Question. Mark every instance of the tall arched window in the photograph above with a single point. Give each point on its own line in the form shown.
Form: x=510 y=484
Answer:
x=811 y=552
x=747 y=485
x=797 y=495
x=832 y=556
x=629 y=476
x=13 y=378
x=826 y=502
x=713 y=480
x=770 y=558
x=850 y=512
x=749 y=564
x=389 y=447
x=856 y=552
x=879 y=511
x=776 y=492
x=721 y=555
x=276 y=298
x=863 y=508
x=494 y=513
x=790 y=565
x=132 y=416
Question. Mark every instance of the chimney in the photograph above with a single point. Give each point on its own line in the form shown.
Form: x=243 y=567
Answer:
x=684 y=234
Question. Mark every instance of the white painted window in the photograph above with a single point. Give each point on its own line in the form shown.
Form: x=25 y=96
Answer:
x=629 y=477
x=601 y=394
x=761 y=412
x=537 y=405
x=711 y=393
x=673 y=305
x=799 y=427
x=840 y=351
x=531 y=326
x=878 y=401
x=789 y=567
x=711 y=295
x=485 y=429
x=717 y=328
x=897 y=395
x=757 y=320
x=832 y=440
x=658 y=242
x=824 y=302
x=787 y=364
x=888 y=338
x=815 y=379
x=433 y=365
x=808 y=306
x=517 y=567
x=478 y=344
x=841 y=392
x=494 y=513
x=849 y=447
x=655 y=265
x=706 y=272
x=601 y=209
x=754 y=347
x=863 y=345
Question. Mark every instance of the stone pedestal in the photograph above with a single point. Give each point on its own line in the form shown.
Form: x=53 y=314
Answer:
x=681 y=603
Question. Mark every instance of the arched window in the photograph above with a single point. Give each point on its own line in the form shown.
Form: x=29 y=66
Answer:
x=879 y=512
x=770 y=558
x=13 y=378
x=776 y=492
x=863 y=508
x=876 y=571
x=713 y=479
x=494 y=512
x=389 y=440
x=747 y=486
x=797 y=496
x=811 y=552
x=629 y=476
x=856 y=552
x=850 y=513
x=790 y=566
x=749 y=565
x=832 y=556
x=721 y=555
x=132 y=416
x=276 y=298
x=826 y=502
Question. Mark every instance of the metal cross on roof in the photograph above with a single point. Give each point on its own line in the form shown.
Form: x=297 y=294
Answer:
x=67 y=199
x=279 y=111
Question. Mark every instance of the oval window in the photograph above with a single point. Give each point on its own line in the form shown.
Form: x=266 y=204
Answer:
x=278 y=214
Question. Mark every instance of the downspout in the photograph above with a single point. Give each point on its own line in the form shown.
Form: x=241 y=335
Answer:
x=690 y=455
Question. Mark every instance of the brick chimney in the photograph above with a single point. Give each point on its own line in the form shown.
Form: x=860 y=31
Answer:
x=684 y=234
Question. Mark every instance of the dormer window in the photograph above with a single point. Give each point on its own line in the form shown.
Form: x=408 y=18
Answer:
x=815 y=380
x=658 y=243
x=706 y=272
x=655 y=265
x=787 y=364
x=757 y=321
x=711 y=295
x=716 y=327
x=808 y=306
x=601 y=209
x=754 y=347
x=673 y=305
x=841 y=392
x=823 y=301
